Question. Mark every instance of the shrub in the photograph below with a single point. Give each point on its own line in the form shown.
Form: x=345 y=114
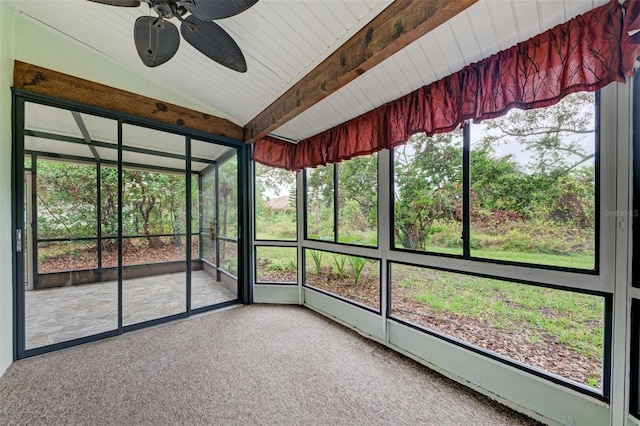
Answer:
x=357 y=264
x=317 y=260
x=281 y=265
x=339 y=260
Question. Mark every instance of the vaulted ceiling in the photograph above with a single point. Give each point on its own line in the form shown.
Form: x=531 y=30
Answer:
x=284 y=40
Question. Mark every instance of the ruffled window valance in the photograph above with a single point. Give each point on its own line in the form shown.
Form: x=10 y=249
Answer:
x=584 y=54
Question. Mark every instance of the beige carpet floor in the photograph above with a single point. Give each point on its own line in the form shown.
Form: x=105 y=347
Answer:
x=266 y=365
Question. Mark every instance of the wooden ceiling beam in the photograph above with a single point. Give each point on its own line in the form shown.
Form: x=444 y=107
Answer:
x=52 y=83
x=400 y=24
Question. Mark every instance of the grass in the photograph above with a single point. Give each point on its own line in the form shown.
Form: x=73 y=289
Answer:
x=277 y=258
x=572 y=319
x=579 y=261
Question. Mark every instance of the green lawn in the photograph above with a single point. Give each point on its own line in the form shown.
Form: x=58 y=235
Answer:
x=572 y=319
x=579 y=261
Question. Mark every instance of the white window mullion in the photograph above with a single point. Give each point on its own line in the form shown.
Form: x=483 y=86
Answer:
x=384 y=231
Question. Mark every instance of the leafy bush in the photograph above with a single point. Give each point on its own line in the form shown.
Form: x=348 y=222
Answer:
x=281 y=265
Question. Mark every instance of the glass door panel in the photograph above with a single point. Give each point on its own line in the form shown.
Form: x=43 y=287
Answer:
x=228 y=222
x=66 y=297
x=154 y=233
x=208 y=285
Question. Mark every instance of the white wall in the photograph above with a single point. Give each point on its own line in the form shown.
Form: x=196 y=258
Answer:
x=6 y=293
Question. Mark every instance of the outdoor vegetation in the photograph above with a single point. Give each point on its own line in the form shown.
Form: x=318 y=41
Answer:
x=276 y=264
x=532 y=188
x=275 y=210
x=554 y=330
x=355 y=278
x=357 y=202
x=532 y=200
x=153 y=216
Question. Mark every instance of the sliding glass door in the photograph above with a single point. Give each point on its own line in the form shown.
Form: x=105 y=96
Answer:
x=118 y=225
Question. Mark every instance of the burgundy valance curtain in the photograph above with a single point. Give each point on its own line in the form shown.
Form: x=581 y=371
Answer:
x=584 y=54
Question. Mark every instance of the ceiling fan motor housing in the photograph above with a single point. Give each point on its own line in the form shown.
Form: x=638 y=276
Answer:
x=166 y=9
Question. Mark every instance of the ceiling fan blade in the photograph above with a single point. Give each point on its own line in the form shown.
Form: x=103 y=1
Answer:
x=156 y=40
x=212 y=41
x=121 y=3
x=208 y=10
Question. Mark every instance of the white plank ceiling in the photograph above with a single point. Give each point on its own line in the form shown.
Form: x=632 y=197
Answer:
x=283 y=40
x=485 y=28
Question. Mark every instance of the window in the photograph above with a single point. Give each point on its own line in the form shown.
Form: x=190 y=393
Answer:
x=276 y=265
x=358 y=201
x=208 y=201
x=275 y=204
x=320 y=203
x=342 y=202
x=559 y=332
x=531 y=183
x=428 y=194
x=353 y=278
x=67 y=237
x=228 y=215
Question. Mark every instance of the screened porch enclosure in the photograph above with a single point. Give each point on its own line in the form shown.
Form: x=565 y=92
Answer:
x=125 y=225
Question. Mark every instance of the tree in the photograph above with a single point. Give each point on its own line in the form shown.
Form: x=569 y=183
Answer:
x=428 y=186
x=155 y=204
x=556 y=179
x=555 y=136
x=67 y=199
x=320 y=186
x=358 y=185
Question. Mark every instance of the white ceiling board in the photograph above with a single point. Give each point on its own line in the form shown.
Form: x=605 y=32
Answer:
x=208 y=150
x=464 y=38
x=152 y=160
x=198 y=167
x=501 y=19
x=285 y=39
x=479 y=18
x=393 y=72
x=51 y=120
x=527 y=18
x=485 y=28
x=101 y=129
x=142 y=137
x=55 y=147
x=107 y=154
x=434 y=54
x=282 y=41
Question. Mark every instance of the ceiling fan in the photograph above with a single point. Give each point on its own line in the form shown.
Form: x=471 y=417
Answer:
x=157 y=39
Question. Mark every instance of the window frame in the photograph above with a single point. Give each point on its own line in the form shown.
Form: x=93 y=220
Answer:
x=466 y=206
x=536 y=371
x=336 y=210
x=599 y=281
x=337 y=296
